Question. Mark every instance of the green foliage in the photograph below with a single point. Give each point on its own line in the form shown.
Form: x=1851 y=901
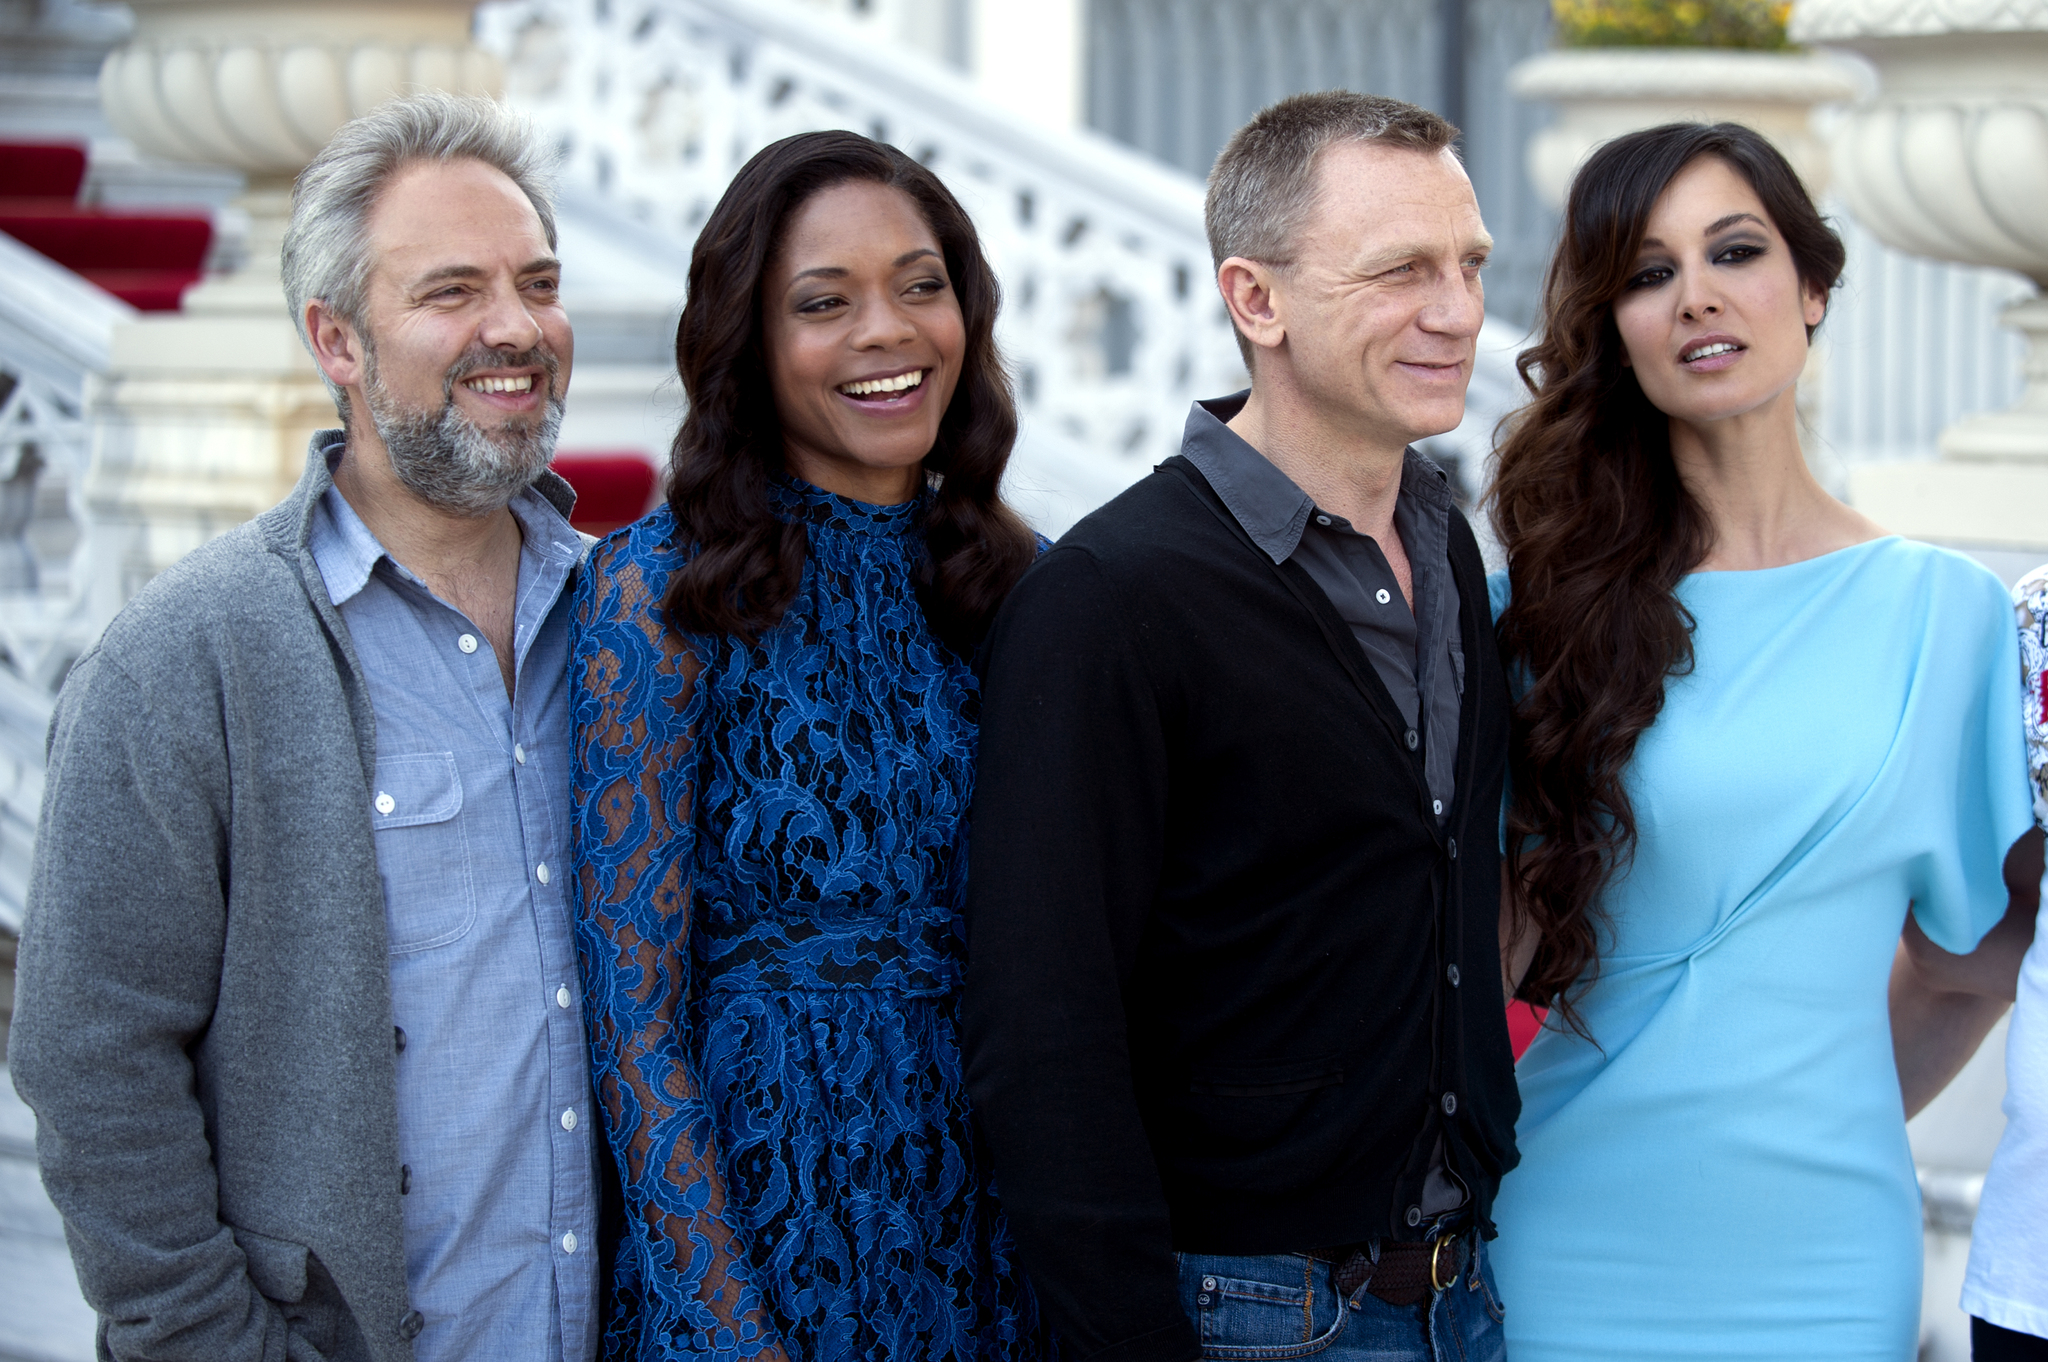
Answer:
x=1756 y=24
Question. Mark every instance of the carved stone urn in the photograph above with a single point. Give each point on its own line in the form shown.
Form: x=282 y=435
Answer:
x=1950 y=160
x=1603 y=92
x=203 y=417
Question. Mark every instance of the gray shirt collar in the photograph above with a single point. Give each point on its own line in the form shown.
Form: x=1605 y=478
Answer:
x=1264 y=500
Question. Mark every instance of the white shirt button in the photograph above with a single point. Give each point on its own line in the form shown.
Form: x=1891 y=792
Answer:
x=562 y=996
x=519 y=754
x=540 y=872
x=1438 y=806
x=569 y=1119
x=1322 y=520
x=569 y=1242
x=1382 y=596
x=385 y=803
x=467 y=643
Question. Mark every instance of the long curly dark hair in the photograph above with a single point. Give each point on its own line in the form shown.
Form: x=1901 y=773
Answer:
x=749 y=564
x=1599 y=528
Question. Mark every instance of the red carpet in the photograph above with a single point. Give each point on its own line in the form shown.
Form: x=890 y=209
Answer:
x=147 y=260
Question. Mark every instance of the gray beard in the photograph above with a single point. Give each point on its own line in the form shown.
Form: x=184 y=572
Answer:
x=449 y=461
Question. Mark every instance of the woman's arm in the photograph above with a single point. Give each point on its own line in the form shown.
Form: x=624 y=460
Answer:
x=633 y=762
x=1943 y=1005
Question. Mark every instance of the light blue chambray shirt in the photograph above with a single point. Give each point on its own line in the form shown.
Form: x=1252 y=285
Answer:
x=471 y=811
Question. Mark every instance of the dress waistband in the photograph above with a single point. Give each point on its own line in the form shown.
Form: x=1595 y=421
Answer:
x=903 y=954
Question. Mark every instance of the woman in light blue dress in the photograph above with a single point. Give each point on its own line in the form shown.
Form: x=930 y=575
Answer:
x=1755 y=732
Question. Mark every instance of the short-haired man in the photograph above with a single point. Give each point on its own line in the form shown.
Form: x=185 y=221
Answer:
x=298 y=1007
x=1233 y=1008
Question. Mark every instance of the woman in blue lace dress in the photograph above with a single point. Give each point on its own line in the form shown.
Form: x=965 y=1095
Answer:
x=775 y=734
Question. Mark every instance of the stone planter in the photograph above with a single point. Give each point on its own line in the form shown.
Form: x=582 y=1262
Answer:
x=1950 y=160
x=262 y=89
x=1603 y=92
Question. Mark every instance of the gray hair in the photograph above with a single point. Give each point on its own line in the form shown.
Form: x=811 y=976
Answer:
x=327 y=246
x=1263 y=185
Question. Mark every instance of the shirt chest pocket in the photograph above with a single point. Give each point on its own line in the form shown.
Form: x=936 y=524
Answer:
x=422 y=850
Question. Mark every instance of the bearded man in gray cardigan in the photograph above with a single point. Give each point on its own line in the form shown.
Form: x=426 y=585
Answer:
x=298 y=1008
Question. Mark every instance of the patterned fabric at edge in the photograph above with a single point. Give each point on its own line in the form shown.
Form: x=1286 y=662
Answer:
x=1725 y=1176
x=769 y=850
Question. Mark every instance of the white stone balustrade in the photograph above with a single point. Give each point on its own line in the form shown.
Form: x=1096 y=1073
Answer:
x=1110 y=315
x=54 y=333
x=1950 y=161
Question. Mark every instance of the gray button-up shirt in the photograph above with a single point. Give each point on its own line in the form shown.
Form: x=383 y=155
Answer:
x=471 y=815
x=1416 y=651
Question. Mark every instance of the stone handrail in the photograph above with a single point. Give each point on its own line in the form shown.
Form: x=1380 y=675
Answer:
x=52 y=323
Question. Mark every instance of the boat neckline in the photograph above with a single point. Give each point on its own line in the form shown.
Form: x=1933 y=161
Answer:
x=1697 y=574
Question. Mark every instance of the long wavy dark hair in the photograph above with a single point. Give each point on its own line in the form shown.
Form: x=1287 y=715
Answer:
x=1599 y=528
x=749 y=564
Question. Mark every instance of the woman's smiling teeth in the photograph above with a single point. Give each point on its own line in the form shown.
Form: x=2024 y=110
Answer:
x=1709 y=351
x=521 y=384
x=883 y=387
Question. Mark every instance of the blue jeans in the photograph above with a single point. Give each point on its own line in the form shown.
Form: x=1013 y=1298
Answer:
x=1283 y=1305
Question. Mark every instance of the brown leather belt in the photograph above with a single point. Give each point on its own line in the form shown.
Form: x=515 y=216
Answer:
x=1405 y=1274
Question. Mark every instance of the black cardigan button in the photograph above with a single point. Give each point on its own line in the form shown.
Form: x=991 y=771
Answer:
x=1453 y=848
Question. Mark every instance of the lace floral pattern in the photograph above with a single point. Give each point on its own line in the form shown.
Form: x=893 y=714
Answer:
x=770 y=843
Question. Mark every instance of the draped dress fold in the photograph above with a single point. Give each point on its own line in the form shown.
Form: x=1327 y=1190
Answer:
x=770 y=848
x=1721 y=1172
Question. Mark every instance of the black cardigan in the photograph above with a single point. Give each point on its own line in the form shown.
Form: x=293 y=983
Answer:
x=1210 y=1001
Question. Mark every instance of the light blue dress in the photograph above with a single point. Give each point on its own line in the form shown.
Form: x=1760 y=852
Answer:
x=1726 y=1174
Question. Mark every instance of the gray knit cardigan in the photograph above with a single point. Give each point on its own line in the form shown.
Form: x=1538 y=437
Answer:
x=203 y=1021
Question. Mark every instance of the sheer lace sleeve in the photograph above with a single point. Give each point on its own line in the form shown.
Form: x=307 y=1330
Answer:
x=636 y=704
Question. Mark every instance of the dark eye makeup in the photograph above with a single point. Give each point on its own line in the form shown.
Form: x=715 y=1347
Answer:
x=1739 y=252
x=1732 y=253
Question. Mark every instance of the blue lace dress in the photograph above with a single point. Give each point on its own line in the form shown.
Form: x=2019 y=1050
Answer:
x=770 y=843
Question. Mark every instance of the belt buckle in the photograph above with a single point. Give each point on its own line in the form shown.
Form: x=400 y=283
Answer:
x=1436 y=1248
